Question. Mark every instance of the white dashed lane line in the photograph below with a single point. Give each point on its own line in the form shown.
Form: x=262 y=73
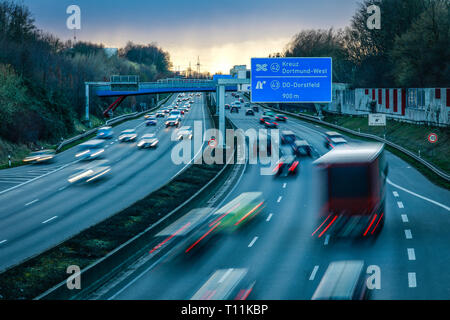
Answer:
x=313 y=273
x=269 y=217
x=327 y=239
x=3 y=241
x=405 y=218
x=253 y=242
x=31 y=202
x=279 y=198
x=408 y=234
x=48 y=220
x=284 y=185
x=395 y=193
x=411 y=254
x=400 y=204
x=412 y=283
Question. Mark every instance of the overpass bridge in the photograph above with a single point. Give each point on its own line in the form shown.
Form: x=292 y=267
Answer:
x=124 y=86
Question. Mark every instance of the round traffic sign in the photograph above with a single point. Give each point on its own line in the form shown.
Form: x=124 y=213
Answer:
x=432 y=138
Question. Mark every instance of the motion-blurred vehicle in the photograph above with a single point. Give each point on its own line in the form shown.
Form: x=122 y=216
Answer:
x=91 y=149
x=41 y=156
x=287 y=164
x=263 y=119
x=331 y=135
x=270 y=123
x=128 y=135
x=280 y=117
x=234 y=109
x=105 y=133
x=287 y=137
x=151 y=121
x=241 y=100
x=149 y=115
x=148 y=140
x=173 y=121
x=236 y=104
x=343 y=280
x=334 y=142
x=160 y=114
x=353 y=186
x=249 y=112
x=184 y=133
x=268 y=113
x=238 y=211
x=302 y=148
x=227 y=107
x=90 y=173
x=255 y=108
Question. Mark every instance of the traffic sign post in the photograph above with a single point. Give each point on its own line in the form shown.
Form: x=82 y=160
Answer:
x=291 y=80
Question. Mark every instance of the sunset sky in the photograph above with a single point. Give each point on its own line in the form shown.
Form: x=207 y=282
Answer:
x=222 y=33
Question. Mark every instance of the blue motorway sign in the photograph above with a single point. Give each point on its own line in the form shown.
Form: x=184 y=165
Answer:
x=287 y=80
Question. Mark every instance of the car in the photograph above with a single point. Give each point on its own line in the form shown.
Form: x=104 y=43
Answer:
x=268 y=113
x=263 y=119
x=330 y=135
x=184 y=132
x=175 y=113
x=173 y=121
x=302 y=148
x=227 y=107
x=255 y=108
x=41 y=156
x=334 y=142
x=249 y=112
x=105 y=133
x=270 y=124
x=287 y=163
x=148 y=140
x=91 y=149
x=234 y=109
x=280 y=117
x=343 y=280
x=160 y=114
x=128 y=135
x=90 y=173
x=237 y=104
x=287 y=137
x=151 y=122
x=149 y=115
x=241 y=100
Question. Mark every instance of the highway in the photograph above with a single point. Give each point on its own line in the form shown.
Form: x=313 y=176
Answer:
x=40 y=208
x=275 y=255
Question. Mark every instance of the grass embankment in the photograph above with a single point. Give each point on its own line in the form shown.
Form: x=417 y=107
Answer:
x=29 y=279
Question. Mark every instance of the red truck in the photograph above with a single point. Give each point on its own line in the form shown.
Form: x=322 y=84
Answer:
x=352 y=179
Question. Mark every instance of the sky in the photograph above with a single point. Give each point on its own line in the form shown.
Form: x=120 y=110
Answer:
x=221 y=33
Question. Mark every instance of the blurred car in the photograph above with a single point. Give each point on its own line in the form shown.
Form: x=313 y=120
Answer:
x=241 y=100
x=90 y=173
x=41 y=156
x=149 y=115
x=175 y=113
x=302 y=148
x=287 y=164
x=249 y=112
x=128 y=135
x=184 y=133
x=105 y=133
x=238 y=211
x=343 y=280
x=148 y=140
x=280 y=117
x=334 y=142
x=270 y=123
x=263 y=119
x=268 y=113
x=287 y=137
x=330 y=135
x=227 y=107
x=255 y=108
x=91 y=149
x=151 y=121
x=173 y=121
x=160 y=114
x=236 y=104
x=234 y=109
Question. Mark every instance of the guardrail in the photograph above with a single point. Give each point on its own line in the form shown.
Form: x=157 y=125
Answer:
x=109 y=122
x=316 y=119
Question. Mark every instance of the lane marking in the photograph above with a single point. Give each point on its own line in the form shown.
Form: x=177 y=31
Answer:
x=408 y=234
x=418 y=195
x=269 y=217
x=62 y=188
x=3 y=241
x=253 y=242
x=327 y=239
x=313 y=273
x=411 y=254
x=412 y=283
x=225 y=275
x=48 y=220
x=279 y=198
x=31 y=202
x=405 y=218
x=400 y=204
x=395 y=194
x=284 y=185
